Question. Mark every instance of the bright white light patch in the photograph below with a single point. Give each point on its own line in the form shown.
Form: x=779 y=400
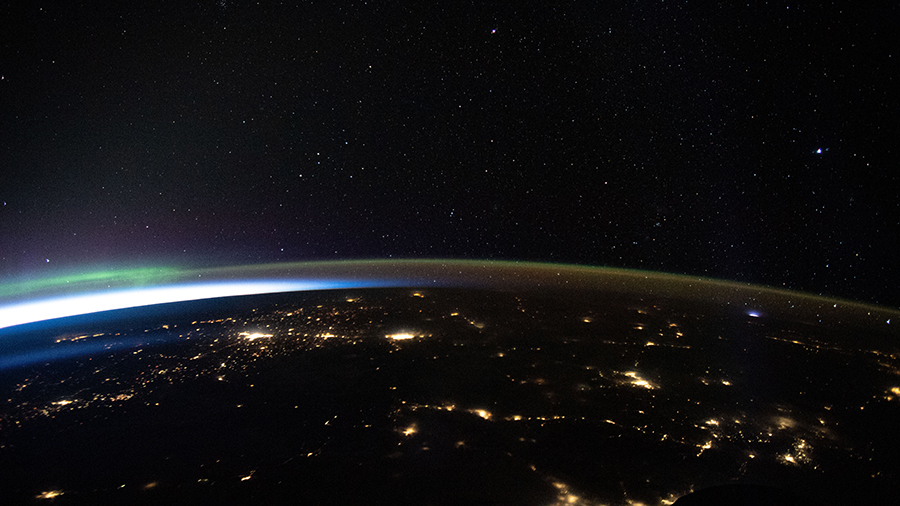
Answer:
x=638 y=381
x=482 y=413
x=60 y=307
x=253 y=336
x=401 y=337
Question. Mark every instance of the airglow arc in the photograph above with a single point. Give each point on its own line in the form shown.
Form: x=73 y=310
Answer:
x=84 y=293
x=86 y=303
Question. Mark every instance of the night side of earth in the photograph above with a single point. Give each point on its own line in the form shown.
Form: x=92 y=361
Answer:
x=498 y=384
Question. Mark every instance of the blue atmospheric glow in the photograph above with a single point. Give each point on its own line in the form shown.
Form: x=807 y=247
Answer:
x=754 y=314
x=59 y=307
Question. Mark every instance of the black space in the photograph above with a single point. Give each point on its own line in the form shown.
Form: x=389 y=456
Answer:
x=676 y=136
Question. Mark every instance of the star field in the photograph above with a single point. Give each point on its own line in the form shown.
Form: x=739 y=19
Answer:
x=750 y=142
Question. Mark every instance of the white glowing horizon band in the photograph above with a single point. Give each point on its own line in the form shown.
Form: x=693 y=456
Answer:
x=74 y=305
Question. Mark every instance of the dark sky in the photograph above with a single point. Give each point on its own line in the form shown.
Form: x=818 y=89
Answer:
x=668 y=135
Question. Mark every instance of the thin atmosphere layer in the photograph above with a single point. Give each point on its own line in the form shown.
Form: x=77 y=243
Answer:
x=83 y=293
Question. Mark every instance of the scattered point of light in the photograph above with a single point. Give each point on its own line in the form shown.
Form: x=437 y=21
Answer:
x=704 y=447
x=638 y=381
x=482 y=413
x=254 y=335
x=784 y=422
x=893 y=394
x=566 y=496
x=73 y=338
x=800 y=454
x=819 y=151
x=409 y=431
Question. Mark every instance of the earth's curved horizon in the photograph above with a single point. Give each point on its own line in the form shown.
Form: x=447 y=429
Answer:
x=77 y=293
x=442 y=382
